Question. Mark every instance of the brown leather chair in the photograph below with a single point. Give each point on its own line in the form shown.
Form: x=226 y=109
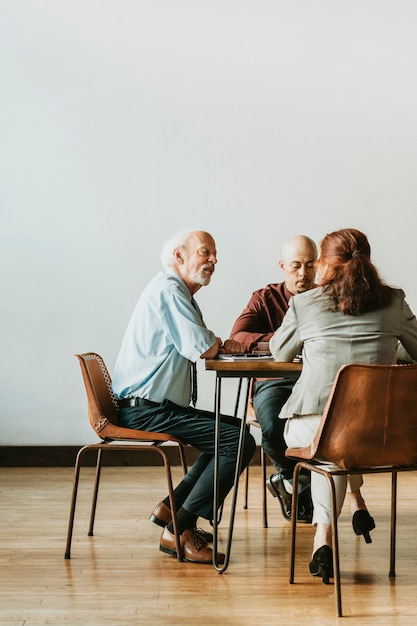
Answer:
x=369 y=426
x=103 y=412
x=252 y=421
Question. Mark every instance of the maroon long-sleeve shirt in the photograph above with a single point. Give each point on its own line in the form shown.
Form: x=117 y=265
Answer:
x=262 y=315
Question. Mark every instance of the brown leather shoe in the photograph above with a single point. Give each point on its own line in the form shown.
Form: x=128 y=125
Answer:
x=161 y=515
x=194 y=547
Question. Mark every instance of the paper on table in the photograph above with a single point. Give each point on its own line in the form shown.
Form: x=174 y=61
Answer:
x=245 y=357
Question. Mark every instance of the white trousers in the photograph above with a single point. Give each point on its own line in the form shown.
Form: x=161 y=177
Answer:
x=300 y=432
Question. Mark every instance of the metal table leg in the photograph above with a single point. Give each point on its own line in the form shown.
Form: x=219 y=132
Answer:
x=217 y=566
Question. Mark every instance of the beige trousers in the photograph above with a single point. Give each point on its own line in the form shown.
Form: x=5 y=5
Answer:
x=300 y=432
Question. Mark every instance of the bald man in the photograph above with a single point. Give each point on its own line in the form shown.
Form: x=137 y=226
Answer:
x=257 y=323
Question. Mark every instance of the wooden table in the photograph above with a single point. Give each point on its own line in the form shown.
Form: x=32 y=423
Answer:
x=242 y=369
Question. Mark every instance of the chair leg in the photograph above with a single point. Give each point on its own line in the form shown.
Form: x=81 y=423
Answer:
x=294 y=507
x=77 y=468
x=246 y=493
x=335 y=537
x=183 y=459
x=95 y=493
x=264 y=495
x=264 y=498
x=180 y=556
x=393 y=523
x=73 y=501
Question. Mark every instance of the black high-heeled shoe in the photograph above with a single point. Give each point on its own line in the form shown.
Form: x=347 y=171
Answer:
x=322 y=564
x=362 y=524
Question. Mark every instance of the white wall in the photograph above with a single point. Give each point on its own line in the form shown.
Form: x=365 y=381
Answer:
x=123 y=121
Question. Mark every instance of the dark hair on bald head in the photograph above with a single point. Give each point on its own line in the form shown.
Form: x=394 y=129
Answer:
x=351 y=281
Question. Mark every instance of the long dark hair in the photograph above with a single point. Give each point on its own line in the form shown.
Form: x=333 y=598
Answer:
x=350 y=280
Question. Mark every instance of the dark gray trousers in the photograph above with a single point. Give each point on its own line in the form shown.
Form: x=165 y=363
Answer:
x=197 y=428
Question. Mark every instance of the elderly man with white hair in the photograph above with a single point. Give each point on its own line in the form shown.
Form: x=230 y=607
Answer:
x=165 y=337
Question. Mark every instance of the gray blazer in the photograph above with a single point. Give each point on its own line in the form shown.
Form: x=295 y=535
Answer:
x=329 y=340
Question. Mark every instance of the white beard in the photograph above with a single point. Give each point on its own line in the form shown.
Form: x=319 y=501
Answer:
x=200 y=278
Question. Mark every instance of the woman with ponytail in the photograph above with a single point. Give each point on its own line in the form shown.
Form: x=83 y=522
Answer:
x=351 y=317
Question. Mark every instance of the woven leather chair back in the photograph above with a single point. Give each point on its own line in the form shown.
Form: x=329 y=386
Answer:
x=102 y=404
x=103 y=410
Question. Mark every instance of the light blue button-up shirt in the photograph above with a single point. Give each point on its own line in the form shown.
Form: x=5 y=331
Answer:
x=165 y=334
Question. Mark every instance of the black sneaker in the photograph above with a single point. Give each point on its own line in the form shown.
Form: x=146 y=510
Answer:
x=275 y=484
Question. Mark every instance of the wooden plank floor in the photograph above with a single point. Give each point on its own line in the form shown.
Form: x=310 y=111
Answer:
x=119 y=576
